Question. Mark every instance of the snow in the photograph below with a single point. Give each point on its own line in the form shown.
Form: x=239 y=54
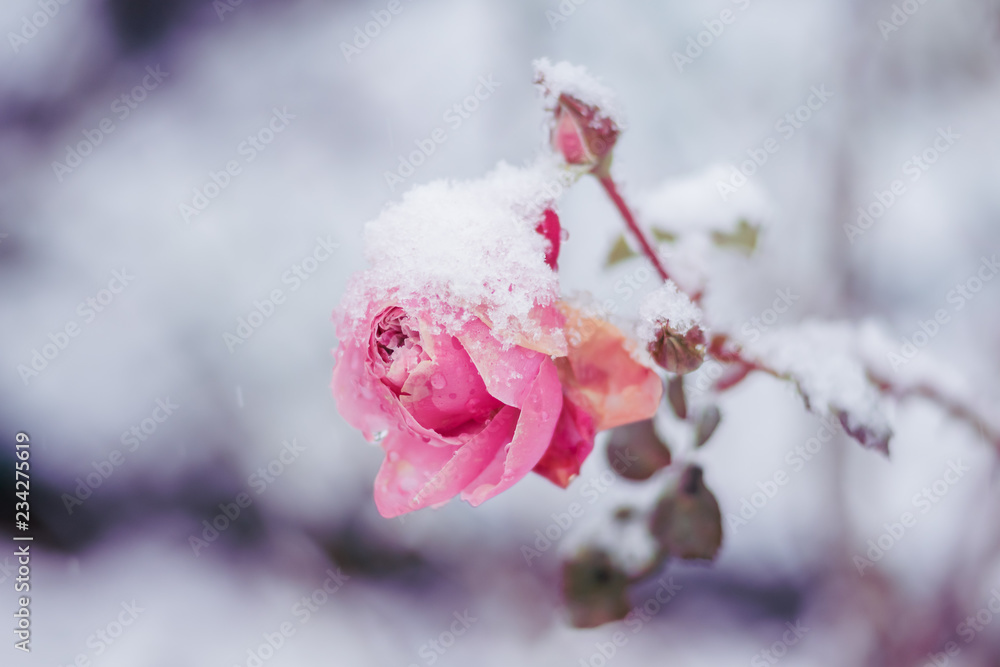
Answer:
x=464 y=247
x=909 y=372
x=667 y=304
x=693 y=203
x=575 y=81
x=691 y=208
x=325 y=175
x=824 y=360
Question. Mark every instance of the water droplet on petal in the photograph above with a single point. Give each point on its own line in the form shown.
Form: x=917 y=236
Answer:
x=393 y=457
x=379 y=436
x=453 y=396
x=438 y=381
x=564 y=234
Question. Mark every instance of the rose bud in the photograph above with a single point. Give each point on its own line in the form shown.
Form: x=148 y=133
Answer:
x=585 y=123
x=671 y=324
x=676 y=352
x=581 y=134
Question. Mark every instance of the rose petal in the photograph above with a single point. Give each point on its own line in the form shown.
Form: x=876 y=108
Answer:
x=546 y=331
x=535 y=426
x=361 y=399
x=599 y=372
x=365 y=401
x=549 y=228
x=568 y=140
x=416 y=474
x=572 y=443
x=447 y=391
x=509 y=374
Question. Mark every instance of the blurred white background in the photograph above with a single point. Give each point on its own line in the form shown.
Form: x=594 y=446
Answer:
x=65 y=232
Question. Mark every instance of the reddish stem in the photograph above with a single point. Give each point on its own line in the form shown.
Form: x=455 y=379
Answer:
x=647 y=249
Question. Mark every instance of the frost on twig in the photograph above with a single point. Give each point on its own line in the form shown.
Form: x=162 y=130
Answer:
x=824 y=361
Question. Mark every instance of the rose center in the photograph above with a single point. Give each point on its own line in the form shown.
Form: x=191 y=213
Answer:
x=397 y=343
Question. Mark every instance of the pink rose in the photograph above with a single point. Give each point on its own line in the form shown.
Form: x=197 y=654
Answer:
x=458 y=413
x=462 y=415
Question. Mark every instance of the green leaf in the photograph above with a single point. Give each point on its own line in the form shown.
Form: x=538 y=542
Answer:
x=595 y=589
x=687 y=522
x=744 y=238
x=620 y=251
x=636 y=452
x=663 y=236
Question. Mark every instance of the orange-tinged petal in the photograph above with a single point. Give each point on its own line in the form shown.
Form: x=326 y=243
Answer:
x=601 y=373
